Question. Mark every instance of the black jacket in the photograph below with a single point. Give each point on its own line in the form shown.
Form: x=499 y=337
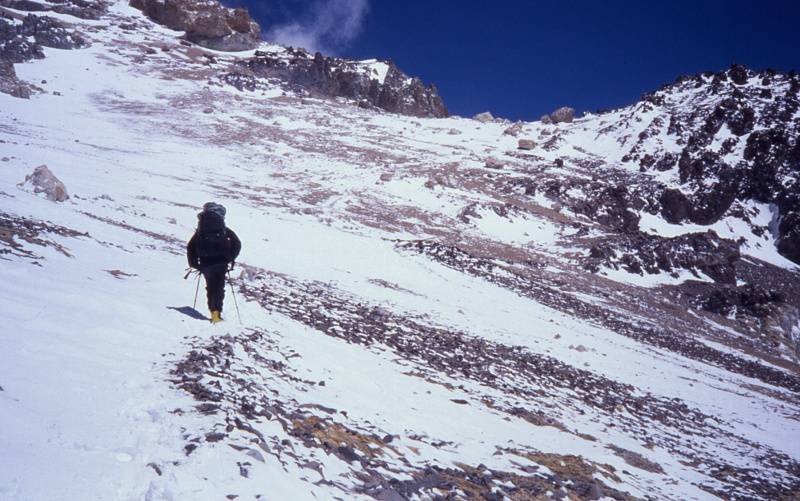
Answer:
x=197 y=262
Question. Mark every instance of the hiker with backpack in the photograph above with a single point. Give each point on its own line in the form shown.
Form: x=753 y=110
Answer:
x=212 y=251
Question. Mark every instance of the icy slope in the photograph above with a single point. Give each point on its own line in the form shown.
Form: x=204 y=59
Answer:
x=414 y=324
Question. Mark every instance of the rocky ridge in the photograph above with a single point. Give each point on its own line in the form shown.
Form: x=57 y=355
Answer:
x=374 y=84
x=730 y=136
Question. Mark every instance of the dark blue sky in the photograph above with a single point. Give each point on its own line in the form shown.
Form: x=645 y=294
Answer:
x=520 y=59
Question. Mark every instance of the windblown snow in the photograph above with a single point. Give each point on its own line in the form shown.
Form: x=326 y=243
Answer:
x=405 y=328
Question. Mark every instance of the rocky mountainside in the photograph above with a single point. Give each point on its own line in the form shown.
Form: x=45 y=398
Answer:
x=731 y=137
x=426 y=307
x=371 y=83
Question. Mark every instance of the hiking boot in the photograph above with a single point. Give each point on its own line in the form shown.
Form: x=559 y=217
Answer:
x=215 y=317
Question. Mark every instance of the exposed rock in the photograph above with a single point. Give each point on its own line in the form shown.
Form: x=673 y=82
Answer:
x=493 y=163
x=736 y=143
x=83 y=9
x=637 y=460
x=545 y=119
x=514 y=129
x=206 y=22
x=9 y=84
x=49 y=32
x=334 y=77
x=526 y=144
x=789 y=241
x=738 y=74
x=643 y=253
x=469 y=212
x=612 y=206
x=565 y=114
x=749 y=300
x=45 y=182
x=674 y=206
x=484 y=117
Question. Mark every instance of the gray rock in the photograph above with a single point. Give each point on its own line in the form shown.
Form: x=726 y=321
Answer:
x=44 y=181
x=565 y=114
x=484 y=117
x=493 y=163
x=335 y=77
x=526 y=144
x=545 y=119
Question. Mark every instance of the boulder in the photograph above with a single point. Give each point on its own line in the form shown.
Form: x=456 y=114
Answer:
x=565 y=114
x=9 y=84
x=45 y=182
x=545 y=119
x=206 y=22
x=493 y=163
x=526 y=144
x=674 y=206
x=483 y=117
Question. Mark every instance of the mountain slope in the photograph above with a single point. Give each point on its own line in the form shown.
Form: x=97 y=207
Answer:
x=426 y=309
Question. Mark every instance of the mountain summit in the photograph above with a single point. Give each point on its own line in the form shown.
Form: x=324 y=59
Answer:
x=596 y=306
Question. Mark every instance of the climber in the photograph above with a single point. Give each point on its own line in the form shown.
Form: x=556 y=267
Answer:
x=212 y=251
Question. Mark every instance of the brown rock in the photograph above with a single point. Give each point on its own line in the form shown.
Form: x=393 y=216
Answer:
x=493 y=163
x=565 y=114
x=206 y=23
x=9 y=84
x=514 y=129
x=526 y=144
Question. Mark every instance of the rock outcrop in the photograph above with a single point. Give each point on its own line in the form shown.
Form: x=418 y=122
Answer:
x=206 y=22
x=565 y=114
x=751 y=300
x=42 y=181
x=83 y=9
x=641 y=253
x=484 y=117
x=388 y=89
x=514 y=129
x=10 y=84
x=674 y=206
x=23 y=42
x=733 y=137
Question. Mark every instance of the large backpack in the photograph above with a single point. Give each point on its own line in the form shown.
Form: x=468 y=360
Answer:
x=212 y=236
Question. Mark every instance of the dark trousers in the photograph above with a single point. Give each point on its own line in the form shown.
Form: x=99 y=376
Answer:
x=215 y=285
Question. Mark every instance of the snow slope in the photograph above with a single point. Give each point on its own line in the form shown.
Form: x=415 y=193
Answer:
x=391 y=345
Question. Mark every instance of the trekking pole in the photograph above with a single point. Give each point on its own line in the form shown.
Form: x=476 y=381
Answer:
x=233 y=293
x=196 y=290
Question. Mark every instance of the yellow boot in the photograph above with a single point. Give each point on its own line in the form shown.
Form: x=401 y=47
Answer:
x=215 y=317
